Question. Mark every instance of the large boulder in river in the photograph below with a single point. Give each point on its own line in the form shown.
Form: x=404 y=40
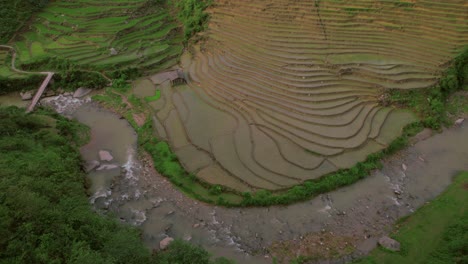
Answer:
x=107 y=167
x=389 y=244
x=80 y=92
x=105 y=155
x=165 y=242
x=91 y=165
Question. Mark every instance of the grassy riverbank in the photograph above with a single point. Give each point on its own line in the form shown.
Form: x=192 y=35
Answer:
x=45 y=216
x=436 y=233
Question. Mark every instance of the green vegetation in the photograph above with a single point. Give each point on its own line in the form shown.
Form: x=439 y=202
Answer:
x=44 y=211
x=67 y=76
x=14 y=14
x=93 y=36
x=192 y=14
x=45 y=216
x=180 y=252
x=431 y=104
x=71 y=40
x=166 y=163
x=154 y=97
x=436 y=233
x=8 y=85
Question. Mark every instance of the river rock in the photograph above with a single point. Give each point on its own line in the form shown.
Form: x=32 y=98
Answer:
x=50 y=93
x=91 y=165
x=165 y=242
x=107 y=167
x=80 y=92
x=26 y=96
x=105 y=155
x=389 y=244
x=460 y=121
x=404 y=167
x=113 y=51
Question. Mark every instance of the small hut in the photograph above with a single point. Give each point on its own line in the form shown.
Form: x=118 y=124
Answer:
x=177 y=77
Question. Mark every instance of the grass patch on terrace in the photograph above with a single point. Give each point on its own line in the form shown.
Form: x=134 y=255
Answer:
x=435 y=233
x=154 y=97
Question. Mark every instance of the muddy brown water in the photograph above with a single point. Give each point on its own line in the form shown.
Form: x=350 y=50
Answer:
x=13 y=99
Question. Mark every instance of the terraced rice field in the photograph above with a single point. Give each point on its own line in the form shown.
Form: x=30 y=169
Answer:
x=5 y=66
x=140 y=34
x=284 y=91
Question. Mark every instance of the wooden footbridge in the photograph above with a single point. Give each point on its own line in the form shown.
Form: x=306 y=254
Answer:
x=44 y=84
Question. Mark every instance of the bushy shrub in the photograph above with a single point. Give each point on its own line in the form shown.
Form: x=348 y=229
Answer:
x=216 y=189
x=14 y=13
x=8 y=85
x=192 y=14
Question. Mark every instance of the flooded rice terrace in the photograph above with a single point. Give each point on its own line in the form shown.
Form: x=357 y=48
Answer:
x=360 y=213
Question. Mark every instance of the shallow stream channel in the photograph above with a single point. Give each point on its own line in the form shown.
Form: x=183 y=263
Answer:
x=357 y=215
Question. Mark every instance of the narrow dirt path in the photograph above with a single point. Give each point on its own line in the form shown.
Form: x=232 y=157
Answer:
x=44 y=84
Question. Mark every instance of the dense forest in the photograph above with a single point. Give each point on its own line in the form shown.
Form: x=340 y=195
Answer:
x=14 y=13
